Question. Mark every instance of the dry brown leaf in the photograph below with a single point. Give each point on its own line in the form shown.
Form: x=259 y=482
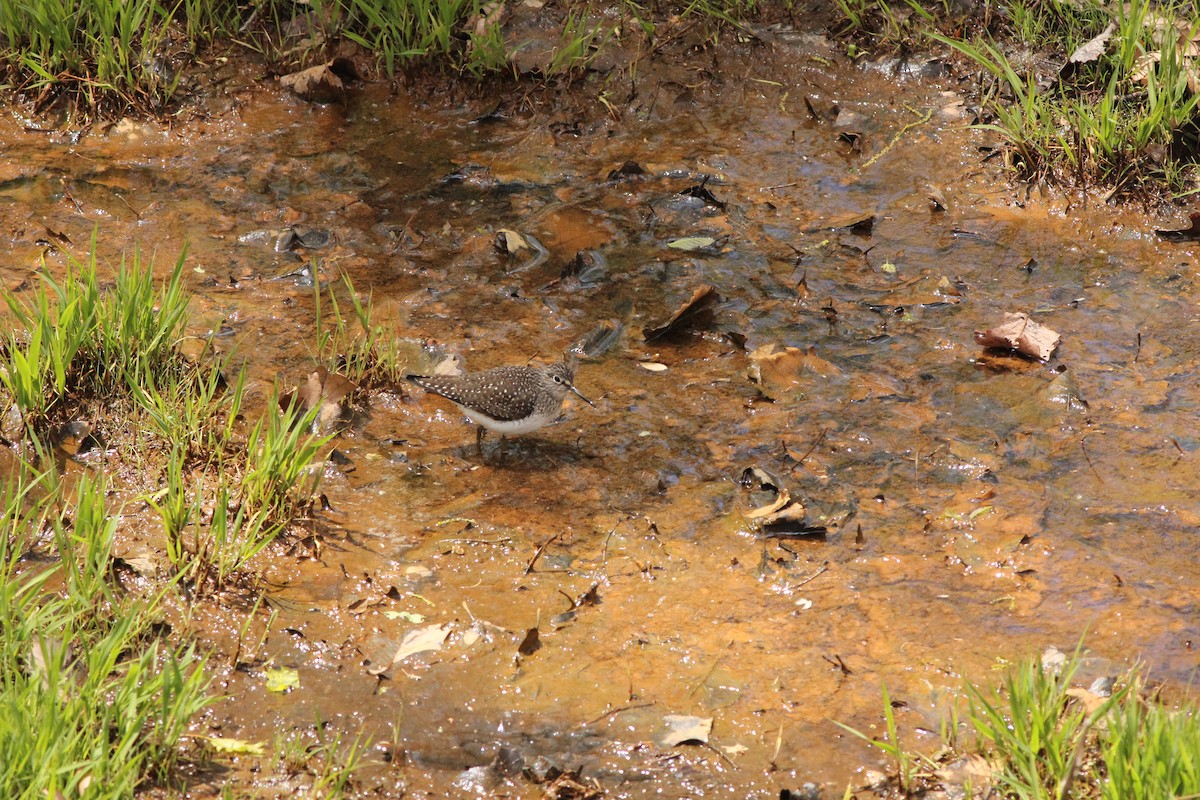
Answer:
x=1092 y=50
x=319 y=84
x=697 y=312
x=780 y=371
x=1021 y=334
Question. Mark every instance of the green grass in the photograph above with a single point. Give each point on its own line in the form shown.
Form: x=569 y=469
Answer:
x=72 y=339
x=111 y=58
x=93 y=702
x=222 y=492
x=353 y=344
x=1125 y=120
x=1044 y=739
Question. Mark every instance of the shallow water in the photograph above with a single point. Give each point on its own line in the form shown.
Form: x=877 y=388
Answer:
x=976 y=512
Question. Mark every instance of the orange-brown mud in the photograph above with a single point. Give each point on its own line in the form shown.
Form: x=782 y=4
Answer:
x=978 y=507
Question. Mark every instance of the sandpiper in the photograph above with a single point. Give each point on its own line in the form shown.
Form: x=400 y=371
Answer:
x=507 y=400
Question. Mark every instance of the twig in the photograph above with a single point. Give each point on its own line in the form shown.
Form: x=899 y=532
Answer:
x=809 y=451
x=618 y=710
x=1086 y=455
x=823 y=568
x=538 y=554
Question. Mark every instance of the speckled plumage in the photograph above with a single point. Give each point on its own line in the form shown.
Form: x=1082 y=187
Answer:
x=508 y=400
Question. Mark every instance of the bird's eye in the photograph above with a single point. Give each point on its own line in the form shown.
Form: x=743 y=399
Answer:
x=557 y=379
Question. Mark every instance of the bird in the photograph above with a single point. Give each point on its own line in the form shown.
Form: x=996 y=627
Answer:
x=510 y=399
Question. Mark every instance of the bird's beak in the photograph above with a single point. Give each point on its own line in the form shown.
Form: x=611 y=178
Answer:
x=581 y=397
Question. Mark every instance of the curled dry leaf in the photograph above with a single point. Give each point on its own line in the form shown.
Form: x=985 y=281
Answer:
x=682 y=728
x=782 y=510
x=323 y=389
x=418 y=640
x=511 y=242
x=1190 y=233
x=1021 y=334
x=1093 y=49
x=697 y=312
x=319 y=84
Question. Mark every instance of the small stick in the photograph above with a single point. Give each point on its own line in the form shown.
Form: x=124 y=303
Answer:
x=823 y=568
x=618 y=710
x=538 y=554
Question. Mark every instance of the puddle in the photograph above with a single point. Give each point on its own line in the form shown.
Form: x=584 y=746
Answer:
x=976 y=508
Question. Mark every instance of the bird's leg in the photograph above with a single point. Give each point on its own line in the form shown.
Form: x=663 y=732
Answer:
x=479 y=432
x=502 y=441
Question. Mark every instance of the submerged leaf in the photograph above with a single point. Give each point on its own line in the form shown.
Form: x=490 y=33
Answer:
x=1190 y=233
x=282 y=679
x=780 y=372
x=420 y=640
x=692 y=242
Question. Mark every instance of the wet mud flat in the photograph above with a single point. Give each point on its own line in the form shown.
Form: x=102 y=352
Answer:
x=608 y=607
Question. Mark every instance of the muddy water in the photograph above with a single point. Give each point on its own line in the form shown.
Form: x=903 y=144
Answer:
x=977 y=507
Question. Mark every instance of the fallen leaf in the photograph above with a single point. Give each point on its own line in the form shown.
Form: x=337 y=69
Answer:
x=531 y=643
x=779 y=372
x=1018 y=332
x=627 y=170
x=701 y=192
x=511 y=242
x=697 y=312
x=1190 y=233
x=652 y=366
x=421 y=640
x=1093 y=49
x=681 y=729
x=692 y=242
x=407 y=616
x=319 y=84
x=235 y=747
x=282 y=679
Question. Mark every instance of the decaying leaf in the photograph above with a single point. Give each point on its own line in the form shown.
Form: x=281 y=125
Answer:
x=1093 y=49
x=692 y=243
x=627 y=170
x=323 y=389
x=511 y=242
x=682 y=728
x=235 y=747
x=531 y=643
x=1190 y=233
x=858 y=224
x=600 y=339
x=421 y=640
x=319 y=84
x=1021 y=334
x=282 y=679
x=1064 y=391
x=450 y=365
x=875 y=387
x=780 y=372
x=783 y=511
x=697 y=312
x=701 y=192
